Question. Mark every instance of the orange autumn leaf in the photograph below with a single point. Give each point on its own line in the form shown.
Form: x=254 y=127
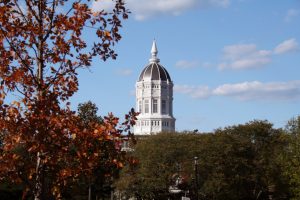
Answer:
x=120 y=165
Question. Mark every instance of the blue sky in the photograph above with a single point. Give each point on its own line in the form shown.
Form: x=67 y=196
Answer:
x=231 y=61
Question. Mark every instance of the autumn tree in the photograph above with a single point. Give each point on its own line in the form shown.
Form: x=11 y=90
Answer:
x=42 y=46
x=99 y=183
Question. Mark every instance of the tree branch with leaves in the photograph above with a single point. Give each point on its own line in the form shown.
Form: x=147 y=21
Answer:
x=42 y=46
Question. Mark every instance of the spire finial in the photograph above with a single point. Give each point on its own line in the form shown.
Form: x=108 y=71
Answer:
x=154 y=53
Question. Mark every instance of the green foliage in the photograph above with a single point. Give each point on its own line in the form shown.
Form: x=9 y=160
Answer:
x=251 y=165
x=291 y=157
x=238 y=162
x=158 y=155
x=88 y=113
x=293 y=126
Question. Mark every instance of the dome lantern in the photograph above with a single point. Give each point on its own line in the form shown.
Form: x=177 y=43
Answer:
x=154 y=52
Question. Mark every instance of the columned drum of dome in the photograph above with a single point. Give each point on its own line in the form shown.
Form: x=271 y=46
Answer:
x=154 y=98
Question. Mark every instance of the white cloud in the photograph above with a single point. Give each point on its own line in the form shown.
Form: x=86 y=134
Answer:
x=144 y=9
x=287 y=46
x=260 y=91
x=247 y=56
x=185 y=64
x=236 y=51
x=244 y=56
x=98 y=5
x=291 y=13
x=124 y=72
x=254 y=90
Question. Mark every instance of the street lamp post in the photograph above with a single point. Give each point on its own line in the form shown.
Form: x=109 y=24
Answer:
x=196 y=176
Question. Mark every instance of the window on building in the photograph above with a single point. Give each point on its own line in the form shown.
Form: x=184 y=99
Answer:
x=163 y=107
x=140 y=106
x=154 y=106
x=146 y=106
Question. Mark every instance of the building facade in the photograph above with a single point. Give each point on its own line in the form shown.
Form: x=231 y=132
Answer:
x=154 y=98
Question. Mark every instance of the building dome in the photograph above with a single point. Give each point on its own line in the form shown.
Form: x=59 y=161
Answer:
x=154 y=71
x=154 y=98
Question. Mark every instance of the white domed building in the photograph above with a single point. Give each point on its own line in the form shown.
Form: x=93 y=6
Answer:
x=154 y=98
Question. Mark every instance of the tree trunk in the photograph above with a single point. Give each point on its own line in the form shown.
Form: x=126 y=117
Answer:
x=38 y=192
x=90 y=191
x=38 y=180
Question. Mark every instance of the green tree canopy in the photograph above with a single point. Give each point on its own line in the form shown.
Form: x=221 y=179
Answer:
x=237 y=162
x=88 y=113
x=291 y=157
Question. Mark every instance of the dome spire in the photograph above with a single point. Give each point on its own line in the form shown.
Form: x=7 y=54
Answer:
x=154 y=52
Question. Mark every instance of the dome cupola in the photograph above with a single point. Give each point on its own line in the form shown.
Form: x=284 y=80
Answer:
x=154 y=98
x=154 y=70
